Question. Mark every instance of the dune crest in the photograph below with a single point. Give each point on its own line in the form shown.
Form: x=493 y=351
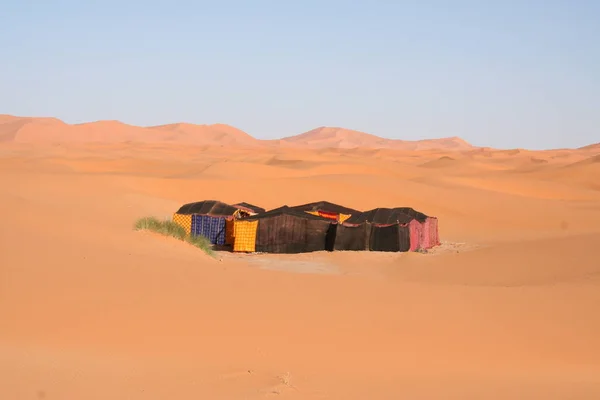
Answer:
x=45 y=130
x=52 y=130
x=335 y=137
x=595 y=146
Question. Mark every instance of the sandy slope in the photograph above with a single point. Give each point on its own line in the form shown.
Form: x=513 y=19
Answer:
x=90 y=309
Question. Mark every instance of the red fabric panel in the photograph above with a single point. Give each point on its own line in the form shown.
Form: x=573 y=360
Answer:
x=329 y=215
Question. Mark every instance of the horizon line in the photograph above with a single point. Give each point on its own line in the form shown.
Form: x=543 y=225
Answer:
x=283 y=138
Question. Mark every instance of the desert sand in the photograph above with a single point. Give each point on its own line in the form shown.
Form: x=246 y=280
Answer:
x=506 y=307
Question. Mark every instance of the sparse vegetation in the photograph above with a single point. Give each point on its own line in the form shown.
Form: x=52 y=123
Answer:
x=172 y=229
x=200 y=242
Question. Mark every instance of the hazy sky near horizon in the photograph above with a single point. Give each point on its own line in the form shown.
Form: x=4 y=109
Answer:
x=496 y=73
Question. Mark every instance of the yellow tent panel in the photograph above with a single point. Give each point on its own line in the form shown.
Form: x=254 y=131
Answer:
x=184 y=220
x=343 y=217
x=244 y=233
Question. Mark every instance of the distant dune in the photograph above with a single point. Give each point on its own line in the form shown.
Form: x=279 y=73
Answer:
x=595 y=146
x=594 y=160
x=324 y=137
x=441 y=162
x=52 y=130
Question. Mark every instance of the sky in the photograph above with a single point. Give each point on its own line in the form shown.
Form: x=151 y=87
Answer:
x=505 y=74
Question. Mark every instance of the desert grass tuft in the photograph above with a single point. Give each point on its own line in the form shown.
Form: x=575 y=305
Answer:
x=200 y=242
x=173 y=229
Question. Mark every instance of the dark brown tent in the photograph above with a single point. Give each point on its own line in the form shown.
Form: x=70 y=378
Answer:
x=419 y=216
x=326 y=207
x=391 y=228
x=424 y=231
x=208 y=207
x=394 y=237
x=285 y=230
x=352 y=237
x=381 y=216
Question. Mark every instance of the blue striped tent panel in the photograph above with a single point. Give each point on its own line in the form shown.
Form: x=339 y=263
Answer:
x=212 y=228
x=196 y=225
x=217 y=230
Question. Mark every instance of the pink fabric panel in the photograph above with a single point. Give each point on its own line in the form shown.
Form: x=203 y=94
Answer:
x=435 y=235
x=425 y=235
x=415 y=235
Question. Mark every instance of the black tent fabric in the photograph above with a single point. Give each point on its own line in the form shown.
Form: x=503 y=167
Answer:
x=208 y=207
x=384 y=238
x=325 y=206
x=250 y=207
x=382 y=216
x=285 y=230
x=352 y=237
x=419 y=216
x=394 y=237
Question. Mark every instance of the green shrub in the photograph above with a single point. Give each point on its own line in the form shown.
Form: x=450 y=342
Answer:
x=200 y=242
x=173 y=229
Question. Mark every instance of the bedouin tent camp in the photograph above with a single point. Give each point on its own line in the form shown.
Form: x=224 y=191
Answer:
x=308 y=227
x=326 y=209
x=285 y=230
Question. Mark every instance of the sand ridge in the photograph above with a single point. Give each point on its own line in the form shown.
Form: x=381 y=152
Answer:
x=505 y=308
x=52 y=130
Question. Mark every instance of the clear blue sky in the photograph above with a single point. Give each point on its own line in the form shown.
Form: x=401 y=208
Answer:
x=496 y=73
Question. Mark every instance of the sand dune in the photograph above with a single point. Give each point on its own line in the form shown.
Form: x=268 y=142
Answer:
x=50 y=130
x=40 y=130
x=89 y=308
x=442 y=162
x=217 y=133
x=346 y=138
x=591 y=147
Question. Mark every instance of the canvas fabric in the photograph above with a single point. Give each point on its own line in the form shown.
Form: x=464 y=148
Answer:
x=185 y=221
x=210 y=227
x=384 y=238
x=343 y=217
x=229 y=229
x=415 y=229
x=292 y=233
x=329 y=215
x=244 y=233
x=395 y=237
x=352 y=237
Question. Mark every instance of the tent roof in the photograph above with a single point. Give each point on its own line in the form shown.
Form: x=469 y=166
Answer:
x=325 y=206
x=285 y=210
x=419 y=216
x=249 y=207
x=402 y=215
x=208 y=207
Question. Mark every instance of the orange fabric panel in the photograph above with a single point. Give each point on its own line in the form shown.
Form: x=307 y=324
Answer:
x=244 y=236
x=184 y=220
